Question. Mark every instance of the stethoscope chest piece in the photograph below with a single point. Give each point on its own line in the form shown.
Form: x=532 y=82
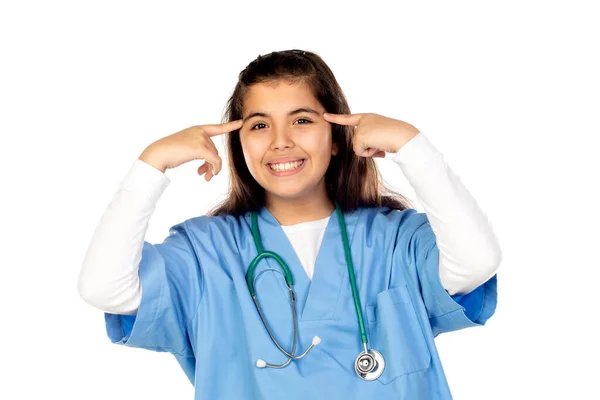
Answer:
x=369 y=365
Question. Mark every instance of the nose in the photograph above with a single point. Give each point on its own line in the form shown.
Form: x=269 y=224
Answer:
x=281 y=138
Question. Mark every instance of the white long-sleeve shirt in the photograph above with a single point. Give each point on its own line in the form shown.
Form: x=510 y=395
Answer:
x=469 y=250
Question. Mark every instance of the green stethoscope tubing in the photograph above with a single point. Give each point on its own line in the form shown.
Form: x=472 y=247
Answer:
x=369 y=364
x=288 y=275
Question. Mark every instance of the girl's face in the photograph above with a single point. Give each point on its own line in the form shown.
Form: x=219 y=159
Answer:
x=286 y=142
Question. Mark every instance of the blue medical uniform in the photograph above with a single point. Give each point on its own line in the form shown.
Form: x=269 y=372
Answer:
x=196 y=306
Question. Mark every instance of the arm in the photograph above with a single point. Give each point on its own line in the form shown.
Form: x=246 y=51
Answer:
x=469 y=250
x=108 y=279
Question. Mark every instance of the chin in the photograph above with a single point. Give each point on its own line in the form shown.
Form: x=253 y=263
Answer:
x=288 y=193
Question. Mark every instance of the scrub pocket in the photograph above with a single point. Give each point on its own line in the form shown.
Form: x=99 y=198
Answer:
x=396 y=333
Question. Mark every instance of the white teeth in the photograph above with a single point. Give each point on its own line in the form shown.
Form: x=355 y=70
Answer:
x=286 y=166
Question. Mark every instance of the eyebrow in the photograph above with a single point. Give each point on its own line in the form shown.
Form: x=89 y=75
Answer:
x=296 y=111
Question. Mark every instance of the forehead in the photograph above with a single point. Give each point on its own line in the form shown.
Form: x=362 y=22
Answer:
x=280 y=95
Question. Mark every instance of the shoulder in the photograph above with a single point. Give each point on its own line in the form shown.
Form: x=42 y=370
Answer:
x=402 y=223
x=409 y=216
x=209 y=223
x=201 y=227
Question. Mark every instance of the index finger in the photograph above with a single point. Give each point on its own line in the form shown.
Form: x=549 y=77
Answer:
x=343 y=119
x=218 y=129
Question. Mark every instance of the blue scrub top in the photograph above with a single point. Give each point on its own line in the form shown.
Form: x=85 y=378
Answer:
x=196 y=306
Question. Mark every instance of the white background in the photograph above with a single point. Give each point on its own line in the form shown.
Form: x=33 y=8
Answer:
x=509 y=92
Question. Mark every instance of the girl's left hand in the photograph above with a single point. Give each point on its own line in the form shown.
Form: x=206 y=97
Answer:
x=374 y=134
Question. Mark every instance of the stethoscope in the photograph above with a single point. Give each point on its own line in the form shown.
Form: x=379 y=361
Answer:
x=369 y=364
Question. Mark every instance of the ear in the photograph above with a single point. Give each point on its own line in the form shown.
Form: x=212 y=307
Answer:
x=334 y=149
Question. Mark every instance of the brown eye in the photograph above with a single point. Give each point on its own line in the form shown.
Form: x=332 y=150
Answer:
x=304 y=119
x=254 y=126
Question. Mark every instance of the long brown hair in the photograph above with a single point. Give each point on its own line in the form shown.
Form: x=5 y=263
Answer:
x=351 y=180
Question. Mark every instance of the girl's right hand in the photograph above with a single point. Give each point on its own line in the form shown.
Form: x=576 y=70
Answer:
x=193 y=143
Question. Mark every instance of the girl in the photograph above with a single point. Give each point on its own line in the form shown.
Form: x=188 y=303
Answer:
x=311 y=280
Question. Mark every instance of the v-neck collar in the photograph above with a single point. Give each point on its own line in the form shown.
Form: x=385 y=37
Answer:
x=316 y=299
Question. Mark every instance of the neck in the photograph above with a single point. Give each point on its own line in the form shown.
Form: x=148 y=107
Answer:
x=295 y=211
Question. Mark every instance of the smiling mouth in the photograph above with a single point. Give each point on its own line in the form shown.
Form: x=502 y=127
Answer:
x=288 y=166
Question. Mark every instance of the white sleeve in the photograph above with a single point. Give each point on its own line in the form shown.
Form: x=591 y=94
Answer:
x=109 y=278
x=469 y=250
